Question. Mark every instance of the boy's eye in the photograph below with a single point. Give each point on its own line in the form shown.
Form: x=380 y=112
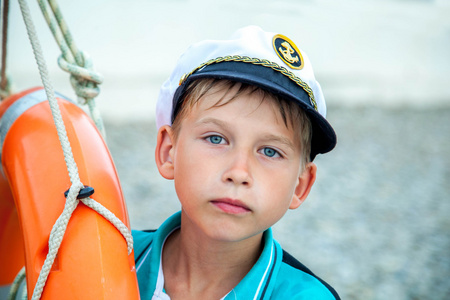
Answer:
x=215 y=139
x=270 y=152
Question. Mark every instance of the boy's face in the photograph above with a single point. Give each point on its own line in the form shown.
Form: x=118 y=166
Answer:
x=236 y=167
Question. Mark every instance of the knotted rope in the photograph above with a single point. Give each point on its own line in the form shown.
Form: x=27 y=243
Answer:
x=83 y=77
x=60 y=226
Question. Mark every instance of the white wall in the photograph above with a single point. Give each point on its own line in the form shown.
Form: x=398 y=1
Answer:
x=372 y=52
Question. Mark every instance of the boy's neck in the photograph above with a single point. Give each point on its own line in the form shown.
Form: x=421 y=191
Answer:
x=200 y=268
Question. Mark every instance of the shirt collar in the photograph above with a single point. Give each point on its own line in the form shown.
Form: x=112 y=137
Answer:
x=160 y=236
x=257 y=284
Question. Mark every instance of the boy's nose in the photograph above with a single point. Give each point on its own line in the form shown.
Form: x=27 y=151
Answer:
x=238 y=170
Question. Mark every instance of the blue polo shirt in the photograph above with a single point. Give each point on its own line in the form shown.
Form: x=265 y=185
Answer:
x=276 y=274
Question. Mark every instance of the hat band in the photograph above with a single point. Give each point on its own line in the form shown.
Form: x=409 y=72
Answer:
x=261 y=62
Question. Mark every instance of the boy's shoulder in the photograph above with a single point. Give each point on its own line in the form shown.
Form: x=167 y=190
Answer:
x=142 y=241
x=296 y=281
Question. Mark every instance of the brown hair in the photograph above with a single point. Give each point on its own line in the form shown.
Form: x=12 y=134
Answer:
x=292 y=114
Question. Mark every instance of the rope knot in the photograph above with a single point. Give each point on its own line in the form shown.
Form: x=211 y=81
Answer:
x=84 y=78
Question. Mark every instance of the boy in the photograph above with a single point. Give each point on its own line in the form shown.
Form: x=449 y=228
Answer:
x=240 y=122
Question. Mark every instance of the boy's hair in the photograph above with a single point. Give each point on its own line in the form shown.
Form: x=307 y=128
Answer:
x=293 y=115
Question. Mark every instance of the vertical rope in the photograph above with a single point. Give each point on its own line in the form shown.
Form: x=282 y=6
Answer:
x=4 y=84
x=58 y=229
x=5 y=11
x=66 y=33
x=57 y=34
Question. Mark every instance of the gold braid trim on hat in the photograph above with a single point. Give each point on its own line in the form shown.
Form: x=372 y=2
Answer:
x=262 y=62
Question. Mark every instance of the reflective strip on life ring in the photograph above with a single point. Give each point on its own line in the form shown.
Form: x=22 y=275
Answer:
x=17 y=108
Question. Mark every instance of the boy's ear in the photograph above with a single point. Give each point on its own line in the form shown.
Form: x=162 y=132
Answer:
x=304 y=185
x=164 y=152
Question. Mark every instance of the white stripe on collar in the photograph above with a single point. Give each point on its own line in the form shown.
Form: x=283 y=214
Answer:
x=265 y=272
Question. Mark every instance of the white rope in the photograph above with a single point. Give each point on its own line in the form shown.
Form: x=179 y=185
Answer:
x=16 y=284
x=84 y=79
x=103 y=211
x=60 y=226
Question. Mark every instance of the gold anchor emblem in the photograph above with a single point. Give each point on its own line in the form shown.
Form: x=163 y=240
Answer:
x=287 y=51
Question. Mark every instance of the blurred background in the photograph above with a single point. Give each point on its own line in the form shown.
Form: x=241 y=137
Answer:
x=376 y=225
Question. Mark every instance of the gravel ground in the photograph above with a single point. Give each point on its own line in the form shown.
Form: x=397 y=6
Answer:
x=376 y=225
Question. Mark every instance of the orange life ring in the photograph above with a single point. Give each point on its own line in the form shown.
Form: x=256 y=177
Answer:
x=92 y=262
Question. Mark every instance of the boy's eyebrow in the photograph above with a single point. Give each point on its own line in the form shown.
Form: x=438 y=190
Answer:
x=280 y=139
x=215 y=121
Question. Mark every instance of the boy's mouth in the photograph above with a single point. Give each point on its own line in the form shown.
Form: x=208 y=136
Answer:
x=231 y=206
